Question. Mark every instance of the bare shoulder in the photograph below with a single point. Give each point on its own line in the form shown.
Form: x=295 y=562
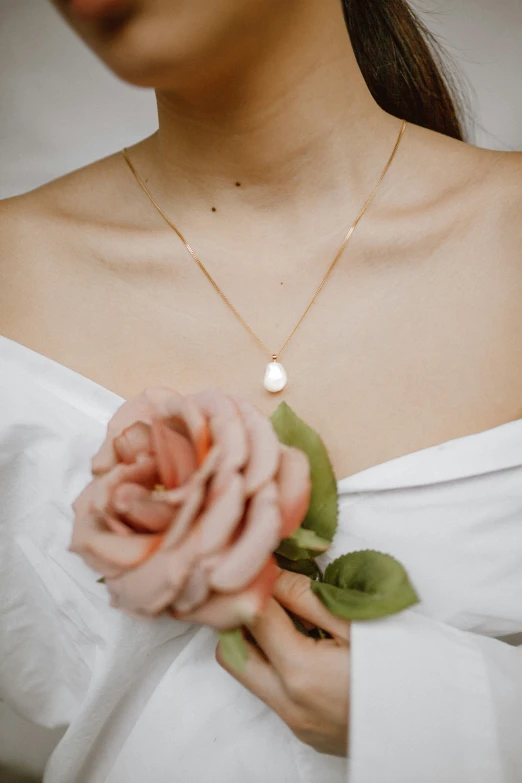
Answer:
x=500 y=205
x=497 y=204
x=47 y=231
x=506 y=187
x=478 y=189
x=79 y=196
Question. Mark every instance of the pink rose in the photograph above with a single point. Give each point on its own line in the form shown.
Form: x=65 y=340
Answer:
x=191 y=495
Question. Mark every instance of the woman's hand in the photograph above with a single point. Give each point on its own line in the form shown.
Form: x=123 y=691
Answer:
x=306 y=681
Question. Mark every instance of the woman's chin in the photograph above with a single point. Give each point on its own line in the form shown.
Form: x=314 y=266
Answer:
x=150 y=48
x=134 y=53
x=141 y=56
x=98 y=10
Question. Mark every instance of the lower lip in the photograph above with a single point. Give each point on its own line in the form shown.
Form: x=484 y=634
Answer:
x=97 y=9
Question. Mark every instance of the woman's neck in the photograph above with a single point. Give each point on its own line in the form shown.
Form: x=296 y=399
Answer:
x=296 y=126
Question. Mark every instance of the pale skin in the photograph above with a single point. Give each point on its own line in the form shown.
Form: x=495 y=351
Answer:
x=306 y=681
x=414 y=341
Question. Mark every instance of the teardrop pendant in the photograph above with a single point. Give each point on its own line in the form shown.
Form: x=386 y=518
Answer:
x=275 y=377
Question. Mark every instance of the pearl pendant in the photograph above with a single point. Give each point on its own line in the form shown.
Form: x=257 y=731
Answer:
x=275 y=377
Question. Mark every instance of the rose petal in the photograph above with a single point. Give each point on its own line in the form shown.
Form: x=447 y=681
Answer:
x=100 y=566
x=142 y=473
x=134 y=440
x=168 y=405
x=115 y=525
x=223 y=511
x=185 y=516
x=264 y=447
x=175 y=456
x=149 y=589
x=237 y=566
x=153 y=402
x=100 y=538
x=226 y=426
x=195 y=591
x=295 y=487
x=143 y=513
x=227 y=611
x=82 y=503
x=136 y=409
x=193 y=498
x=107 y=552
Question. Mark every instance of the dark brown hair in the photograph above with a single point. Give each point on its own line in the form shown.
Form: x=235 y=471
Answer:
x=403 y=65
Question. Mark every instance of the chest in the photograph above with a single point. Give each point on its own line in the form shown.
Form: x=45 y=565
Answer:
x=396 y=353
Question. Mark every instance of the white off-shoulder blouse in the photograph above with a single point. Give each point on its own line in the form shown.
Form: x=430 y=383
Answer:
x=436 y=691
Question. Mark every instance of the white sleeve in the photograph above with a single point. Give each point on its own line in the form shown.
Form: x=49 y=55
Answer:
x=46 y=648
x=433 y=704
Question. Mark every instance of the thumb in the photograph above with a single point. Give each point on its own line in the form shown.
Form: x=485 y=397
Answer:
x=294 y=592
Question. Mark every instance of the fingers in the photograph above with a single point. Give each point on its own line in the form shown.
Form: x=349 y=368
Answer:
x=260 y=678
x=277 y=636
x=294 y=592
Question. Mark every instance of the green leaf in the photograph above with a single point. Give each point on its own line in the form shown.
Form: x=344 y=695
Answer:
x=298 y=624
x=365 y=586
x=322 y=511
x=291 y=551
x=233 y=649
x=308 y=539
x=306 y=567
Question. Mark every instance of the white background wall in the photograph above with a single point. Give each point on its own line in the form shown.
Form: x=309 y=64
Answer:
x=60 y=109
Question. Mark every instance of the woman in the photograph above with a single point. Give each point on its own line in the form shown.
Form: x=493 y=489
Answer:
x=274 y=128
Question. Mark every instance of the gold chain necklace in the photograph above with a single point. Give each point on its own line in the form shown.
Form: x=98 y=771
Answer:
x=275 y=374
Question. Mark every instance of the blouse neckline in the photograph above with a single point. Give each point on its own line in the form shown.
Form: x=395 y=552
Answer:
x=497 y=448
